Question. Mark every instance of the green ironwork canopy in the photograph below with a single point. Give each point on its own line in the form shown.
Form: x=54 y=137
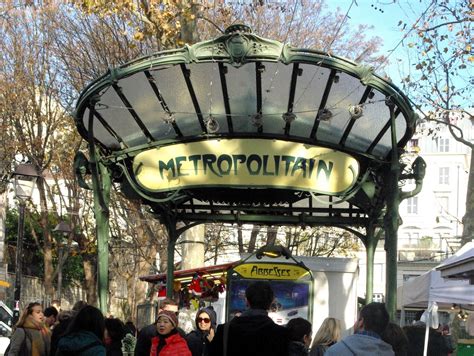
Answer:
x=241 y=87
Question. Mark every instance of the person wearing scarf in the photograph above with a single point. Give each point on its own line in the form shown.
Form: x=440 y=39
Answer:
x=168 y=342
x=198 y=340
x=31 y=336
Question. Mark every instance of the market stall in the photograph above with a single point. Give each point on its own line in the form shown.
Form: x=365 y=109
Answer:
x=461 y=266
x=432 y=292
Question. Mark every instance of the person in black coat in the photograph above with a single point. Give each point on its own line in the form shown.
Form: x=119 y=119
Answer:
x=254 y=332
x=300 y=333
x=198 y=340
x=416 y=341
x=114 y=333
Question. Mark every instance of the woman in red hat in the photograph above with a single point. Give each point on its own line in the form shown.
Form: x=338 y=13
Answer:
x=168 y=342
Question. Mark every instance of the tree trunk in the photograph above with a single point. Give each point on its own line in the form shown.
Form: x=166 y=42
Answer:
x=89 y=264
x=253 y=238
x=468 y=219
x=136 y=288
x=47 y=243
x=189 y=34
x=3 y=215
x=240 y=240
x=271 y=236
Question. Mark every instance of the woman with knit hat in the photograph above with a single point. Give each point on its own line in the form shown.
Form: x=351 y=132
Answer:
x=168 y=342
x=30 y=336
x=199 y=339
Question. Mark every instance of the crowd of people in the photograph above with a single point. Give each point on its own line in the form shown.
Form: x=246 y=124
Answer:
x=84 y=331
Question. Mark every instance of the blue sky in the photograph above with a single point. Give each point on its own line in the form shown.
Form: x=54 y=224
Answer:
x=385 y=24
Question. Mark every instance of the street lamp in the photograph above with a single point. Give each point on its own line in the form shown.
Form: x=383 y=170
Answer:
x=24 y=180
x=64 y=228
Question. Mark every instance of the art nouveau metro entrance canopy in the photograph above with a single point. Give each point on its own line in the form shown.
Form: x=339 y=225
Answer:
x=243 y=124
x=245 y=129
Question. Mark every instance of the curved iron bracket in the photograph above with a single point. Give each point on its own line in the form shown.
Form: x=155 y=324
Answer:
x=82 y=169
x=136 y=188
x=418 y=168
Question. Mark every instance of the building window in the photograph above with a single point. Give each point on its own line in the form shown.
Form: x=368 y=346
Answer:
x=412 y=205
x=443 y=144
x=443 y=175
x=443 y=205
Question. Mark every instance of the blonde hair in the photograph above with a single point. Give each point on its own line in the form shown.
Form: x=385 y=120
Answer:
x=25 y=313
x=329 y=332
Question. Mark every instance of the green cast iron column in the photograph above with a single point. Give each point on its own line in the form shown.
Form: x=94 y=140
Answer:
x=391 y=222
x=370 y=246
x=101 y=185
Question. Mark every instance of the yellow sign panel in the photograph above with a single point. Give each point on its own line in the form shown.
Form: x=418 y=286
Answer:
x=246 y=162
x=4 y=284
x=270 y=271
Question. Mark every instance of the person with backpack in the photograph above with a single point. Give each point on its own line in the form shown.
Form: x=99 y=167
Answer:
x=85 y=334
x=31 y=337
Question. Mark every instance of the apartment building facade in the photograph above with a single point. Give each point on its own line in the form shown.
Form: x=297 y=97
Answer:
x=432 y=220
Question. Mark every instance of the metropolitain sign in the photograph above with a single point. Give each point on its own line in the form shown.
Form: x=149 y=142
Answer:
x=245 y=162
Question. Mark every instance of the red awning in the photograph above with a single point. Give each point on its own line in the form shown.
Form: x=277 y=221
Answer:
x=189 y=273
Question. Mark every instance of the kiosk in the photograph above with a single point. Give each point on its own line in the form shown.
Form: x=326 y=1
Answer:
x=312 y=288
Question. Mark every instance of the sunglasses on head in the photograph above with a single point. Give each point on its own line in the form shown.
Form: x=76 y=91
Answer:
x=206 y=320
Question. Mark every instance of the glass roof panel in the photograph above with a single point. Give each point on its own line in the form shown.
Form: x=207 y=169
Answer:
x=100 y=133
x=242 y=96
x=384 y=145
x=309 y=91
x=140 y=94
x=367 y=127
x=276 y=80
x=207 y=86
x=176 y=94
x=345 y=91
x=116 y=114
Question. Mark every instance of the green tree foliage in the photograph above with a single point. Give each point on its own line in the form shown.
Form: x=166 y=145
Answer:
x=33 y=264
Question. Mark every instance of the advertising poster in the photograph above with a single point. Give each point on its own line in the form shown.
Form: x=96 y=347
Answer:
x=291 y=299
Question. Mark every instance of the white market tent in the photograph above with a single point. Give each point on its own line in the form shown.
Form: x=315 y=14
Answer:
x=431 y=287
x=461 y=267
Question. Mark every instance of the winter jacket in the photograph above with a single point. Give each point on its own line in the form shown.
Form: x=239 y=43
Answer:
x=23 y=339
x=82 y=343
x=252 y=333
x=297 y=348
x=416 y=341
x=143 y=345
x=175 y=345
x=198 y=343
x=59 y=330
x=360 y=345
x=114 y=348
x=318 y=350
